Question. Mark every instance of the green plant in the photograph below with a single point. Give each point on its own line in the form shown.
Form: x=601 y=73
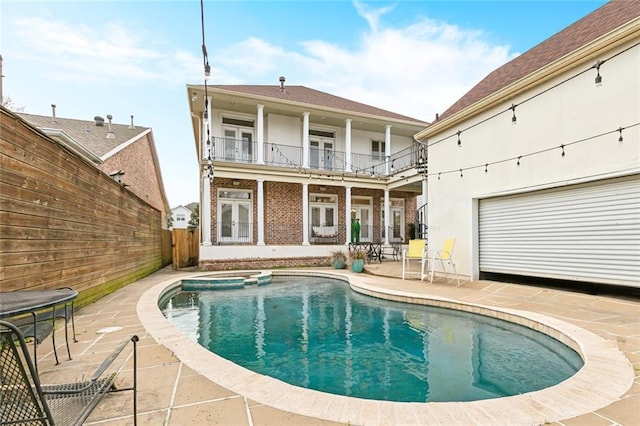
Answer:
x=338 y=256
x=358 y=254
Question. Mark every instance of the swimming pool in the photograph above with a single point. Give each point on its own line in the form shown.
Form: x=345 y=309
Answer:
x=319 y=334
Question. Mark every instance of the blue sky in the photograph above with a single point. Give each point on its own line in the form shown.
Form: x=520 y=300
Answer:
x=136 y=57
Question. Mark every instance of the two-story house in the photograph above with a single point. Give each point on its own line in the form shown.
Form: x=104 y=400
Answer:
x=286 y=171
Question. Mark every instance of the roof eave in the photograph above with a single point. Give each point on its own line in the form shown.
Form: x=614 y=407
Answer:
x=585 y=54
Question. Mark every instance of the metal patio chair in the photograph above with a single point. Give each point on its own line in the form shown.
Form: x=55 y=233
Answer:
x=26 y=401
x=444 y=256
x=417 y=251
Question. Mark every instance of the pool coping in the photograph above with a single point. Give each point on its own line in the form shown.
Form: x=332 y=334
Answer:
x=604 y=378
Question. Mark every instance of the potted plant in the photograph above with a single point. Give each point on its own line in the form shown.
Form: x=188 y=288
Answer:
x=357 y=259
x=338 y=259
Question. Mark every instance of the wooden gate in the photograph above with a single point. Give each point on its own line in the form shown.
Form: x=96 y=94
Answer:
x=185 y=244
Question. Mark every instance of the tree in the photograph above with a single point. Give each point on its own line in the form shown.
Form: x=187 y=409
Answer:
x=8 y=103
x=170 y=221
x=194 y=220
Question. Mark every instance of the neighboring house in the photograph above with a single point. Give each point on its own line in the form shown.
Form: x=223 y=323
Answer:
x=556 y=195
x=286 y=169
x=127 y=153
x=181 y=216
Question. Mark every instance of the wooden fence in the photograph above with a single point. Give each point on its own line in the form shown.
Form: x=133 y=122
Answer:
x=64 y=223
x=186 y=247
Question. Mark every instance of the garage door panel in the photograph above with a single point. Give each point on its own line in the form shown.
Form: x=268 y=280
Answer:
x=588 y=233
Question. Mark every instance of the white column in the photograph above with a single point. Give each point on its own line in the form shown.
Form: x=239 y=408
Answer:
x=305 y=214
x=387 y=147
x=424 y=191
x=387 y=219
x=347 y=214
x=260 y=212
x=205 y=212
x=347 y=145
x=260 y=134
x=305 y=140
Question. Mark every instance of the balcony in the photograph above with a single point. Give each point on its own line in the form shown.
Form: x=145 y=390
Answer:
x=244 y=151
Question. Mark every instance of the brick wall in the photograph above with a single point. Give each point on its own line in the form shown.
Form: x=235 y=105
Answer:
x=140 y=172
x=283 y=213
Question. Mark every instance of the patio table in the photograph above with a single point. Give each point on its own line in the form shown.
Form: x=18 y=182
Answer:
x=16 y=305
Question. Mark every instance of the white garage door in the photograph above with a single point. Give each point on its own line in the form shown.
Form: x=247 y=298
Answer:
x=585 y=232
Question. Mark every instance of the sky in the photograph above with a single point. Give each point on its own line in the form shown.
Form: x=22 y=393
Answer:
x=136 y=57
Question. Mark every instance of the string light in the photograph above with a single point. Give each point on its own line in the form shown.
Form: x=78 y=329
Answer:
x=620 y=139
x=598 y=76
x=486 y=167
x=460 y=172
x=459 y=141
x=514 y=119
x=562 y=146
x=519 y=157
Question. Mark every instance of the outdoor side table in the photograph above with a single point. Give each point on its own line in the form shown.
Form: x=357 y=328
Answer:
x=16 y=306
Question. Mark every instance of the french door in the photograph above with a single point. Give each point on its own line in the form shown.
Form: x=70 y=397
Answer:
x=234 y=211
x=321 y=153
x=238 y=144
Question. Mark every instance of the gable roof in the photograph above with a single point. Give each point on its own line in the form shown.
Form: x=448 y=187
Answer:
x=598 y=23
x=87 y=133
x=316 y=98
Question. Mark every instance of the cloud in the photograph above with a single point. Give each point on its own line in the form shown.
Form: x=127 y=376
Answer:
x=416 y=70
x=113 y=53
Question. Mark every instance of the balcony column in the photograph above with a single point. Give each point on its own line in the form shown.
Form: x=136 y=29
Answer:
x=305 y=140
x=305 y=214
x=347 y=214
x=260 y=206
x=387 y=219
x=347 y=145
x=260 y=134
x=387 y=148
x=205 y=211
x=424 y=190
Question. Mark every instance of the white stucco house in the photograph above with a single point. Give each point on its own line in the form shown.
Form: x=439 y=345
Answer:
x=536 y=170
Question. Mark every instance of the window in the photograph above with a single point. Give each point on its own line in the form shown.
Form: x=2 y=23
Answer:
x=237 y=122
x=377 y=150
x=180 y=217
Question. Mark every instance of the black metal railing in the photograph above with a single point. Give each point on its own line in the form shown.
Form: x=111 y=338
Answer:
x=245 y=151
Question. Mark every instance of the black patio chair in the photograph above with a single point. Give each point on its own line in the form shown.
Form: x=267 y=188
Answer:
x=26 y=401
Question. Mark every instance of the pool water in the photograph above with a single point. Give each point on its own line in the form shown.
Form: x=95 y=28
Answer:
x=319 y=334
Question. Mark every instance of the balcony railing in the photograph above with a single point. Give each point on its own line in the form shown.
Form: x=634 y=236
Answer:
x=244 y=151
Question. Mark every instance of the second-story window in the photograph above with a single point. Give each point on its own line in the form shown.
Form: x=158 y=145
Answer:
x=238 y=140
x=377 y=150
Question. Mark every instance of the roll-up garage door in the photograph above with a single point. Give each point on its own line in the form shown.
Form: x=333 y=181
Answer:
x=587 y=232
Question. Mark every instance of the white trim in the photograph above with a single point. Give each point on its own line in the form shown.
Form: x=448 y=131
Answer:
x=124 y=145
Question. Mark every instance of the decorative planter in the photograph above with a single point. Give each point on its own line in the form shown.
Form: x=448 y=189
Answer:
x=338 y=264
x=357 y=265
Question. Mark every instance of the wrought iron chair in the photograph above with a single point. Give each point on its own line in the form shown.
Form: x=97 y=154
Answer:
x=26 y=401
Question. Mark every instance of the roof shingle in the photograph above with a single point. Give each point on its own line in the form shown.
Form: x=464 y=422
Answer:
x=598 y=23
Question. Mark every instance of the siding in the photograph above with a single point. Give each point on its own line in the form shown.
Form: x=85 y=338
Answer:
x=64 y=223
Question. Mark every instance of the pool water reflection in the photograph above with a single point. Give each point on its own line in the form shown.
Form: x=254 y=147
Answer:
x=319 y=334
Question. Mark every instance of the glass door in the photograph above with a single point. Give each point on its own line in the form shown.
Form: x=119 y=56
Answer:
x=321 y=154
x=235 y=224
x=238 y=145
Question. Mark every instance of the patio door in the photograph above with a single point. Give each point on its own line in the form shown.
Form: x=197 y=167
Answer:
x=238 y=144
x=396 y=220
x=234 y=211
x=321 y=153
x=361 y=209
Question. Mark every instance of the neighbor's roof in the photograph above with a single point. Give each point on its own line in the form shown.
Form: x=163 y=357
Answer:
x=305 y=95
x=598 y=23
x=85 y=132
